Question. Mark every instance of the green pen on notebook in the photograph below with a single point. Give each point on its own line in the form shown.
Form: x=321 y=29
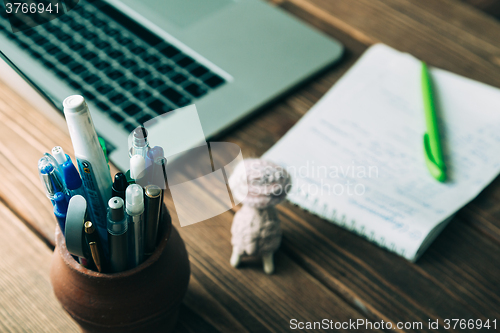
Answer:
x=432 y=145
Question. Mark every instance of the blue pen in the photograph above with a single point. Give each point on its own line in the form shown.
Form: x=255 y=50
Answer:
x=60 y=209
x=50 y=175
x=70 y=174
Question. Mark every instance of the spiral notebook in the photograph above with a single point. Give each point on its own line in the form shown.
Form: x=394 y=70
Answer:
x=357 y=160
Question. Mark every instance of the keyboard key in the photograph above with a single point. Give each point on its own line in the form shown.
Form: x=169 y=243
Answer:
x=116 y=117
x=102 y=44
x=155 y=83
x=53 y=50
x=88 y=55
x=128 y=63
x=65 y=59
x=124 y=40
x=104 y=89
x=49 y=64
x=61 y=74
x=29 y=32
x=35 y=54
x=51 y=27
x=115 y=75
x=137 y=50
x=141 y=72
x=23 y=45
x=103 y=106
x=170 y=51
x=101 y=65
x=132 y=109
x=144 y=118
x=214 y=81
x=40 y=40
x=76 y=26
x=91 y=79
x=159 y=107
x=195 y=90
x=150 y=59
x=164 y=69
x=65 y=18
x=88 y=35
x=115 y=54
x=178 y=78
x=64 y=37
x=142 y=95
x=130 y=127
x=75 y=85
x=75 y=46
x=128 y=85
x=118 y=99
x=199 y=71
x=174 y=96
x=89 y=96
x=184 y=62
x=97 y=22
x=78 y=69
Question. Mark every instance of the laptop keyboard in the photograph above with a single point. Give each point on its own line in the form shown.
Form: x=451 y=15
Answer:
x=129 y=73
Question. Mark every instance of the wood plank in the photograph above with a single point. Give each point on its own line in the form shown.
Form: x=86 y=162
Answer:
x=27 y=302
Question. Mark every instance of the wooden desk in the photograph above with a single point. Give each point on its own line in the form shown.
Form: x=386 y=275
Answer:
x=322 y=271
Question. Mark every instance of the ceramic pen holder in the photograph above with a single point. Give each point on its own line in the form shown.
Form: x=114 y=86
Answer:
x=143 y=299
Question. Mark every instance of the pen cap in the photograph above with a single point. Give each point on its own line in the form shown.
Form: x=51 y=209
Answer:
x=71 y=175
x=134 y=200
x=137 y=166
x=50 y=176
x=117 y=222
x=138 y=142
x=119 y=185
x=59 y=154
x=152 y=155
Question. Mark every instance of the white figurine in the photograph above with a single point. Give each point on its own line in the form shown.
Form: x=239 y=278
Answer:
x=256 y=228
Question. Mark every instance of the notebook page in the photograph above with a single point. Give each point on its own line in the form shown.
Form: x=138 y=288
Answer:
x=356 y=158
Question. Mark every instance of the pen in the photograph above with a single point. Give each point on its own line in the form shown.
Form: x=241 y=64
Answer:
x=432 y=145
x=94 y=245
x=51 y=177
x=138 y=142
x=70 y=174
x=159 y=178
x=117 y=235
x=135 y=209
x=137 y=169
x=153 y=154
x=119 y=186
x=60 y=209
x=152 y=204
x=91 y=162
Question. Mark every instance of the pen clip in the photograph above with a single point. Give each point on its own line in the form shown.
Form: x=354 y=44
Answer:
x=436 y=171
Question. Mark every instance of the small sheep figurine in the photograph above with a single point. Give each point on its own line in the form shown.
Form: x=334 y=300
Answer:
x=256 y=228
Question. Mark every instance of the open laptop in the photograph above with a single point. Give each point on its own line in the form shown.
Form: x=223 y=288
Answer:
x=133 y=60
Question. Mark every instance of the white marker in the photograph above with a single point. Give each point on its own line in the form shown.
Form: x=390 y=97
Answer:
x=134 y=196
x=91 y=161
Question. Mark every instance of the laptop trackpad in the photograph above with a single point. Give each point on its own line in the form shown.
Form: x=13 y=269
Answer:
x=185 y=12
